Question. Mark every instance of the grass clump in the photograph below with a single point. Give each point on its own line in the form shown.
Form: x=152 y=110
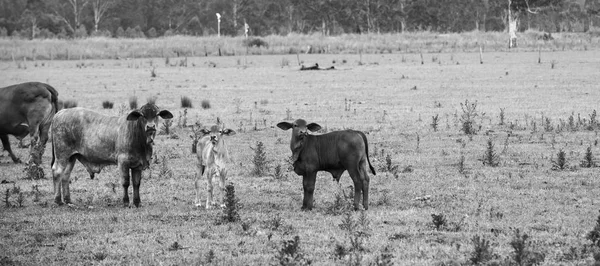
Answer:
x=107 y=104
x=255 y=42
x=186 y=102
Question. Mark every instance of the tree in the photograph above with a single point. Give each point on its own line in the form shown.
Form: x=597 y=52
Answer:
x=70 y=12
x=517 y=7
x=592 y=9
x=99 y=8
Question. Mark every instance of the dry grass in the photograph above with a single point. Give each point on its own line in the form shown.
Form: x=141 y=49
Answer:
x=554 y=208
x=190 y=46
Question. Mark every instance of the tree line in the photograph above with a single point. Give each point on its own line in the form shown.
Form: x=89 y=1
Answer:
x=154 y=18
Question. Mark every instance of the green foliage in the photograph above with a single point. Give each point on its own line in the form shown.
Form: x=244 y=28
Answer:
x=133 y=103
x=107 y=104
x=522 y=250
x=439 y=221
x=588 y=158
x=186 y=102
x=230 y=212
x=291 y=253
x=467 y=118
x=434 y=122
x=259 y=160
x=255 y=42
x=205 y=104
x=490 y=158
x=482 y=252
x=594 y=235
x=561 y=161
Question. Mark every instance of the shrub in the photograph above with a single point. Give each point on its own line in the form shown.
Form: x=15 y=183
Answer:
x=205 y=104
x=588 y=158
x=230 y=212
x=468 y=116
x=490 y=157
x=186 y=102
x=439 y=221
x=291 y=253
x=482 y=252
x=260 y=160
x=107 y=104
x=255 y=42
x=435 y=122
x=133 y=104
x=69 y=104
x=561 y=161
x=594 y=235
x=523 y=255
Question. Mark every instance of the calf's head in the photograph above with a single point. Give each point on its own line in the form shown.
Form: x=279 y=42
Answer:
x=148 y=115
x=299 y=131
x=216 y=133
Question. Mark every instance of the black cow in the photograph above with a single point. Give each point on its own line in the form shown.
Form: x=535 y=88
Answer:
x=334 y=152
x=97 y=140
x=27 y=108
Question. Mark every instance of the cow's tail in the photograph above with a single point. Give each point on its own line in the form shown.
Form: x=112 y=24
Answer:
x=52 y=144
x=53 y=97
x=367 y=151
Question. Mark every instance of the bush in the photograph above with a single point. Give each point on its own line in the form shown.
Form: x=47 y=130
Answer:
x=230 y=212
x=468 y=117
x=260 y=160
x=561 y=161
x=69 y=104
x=483 y=251
x=107 y=104
x=133 y=104
x=186 y=102
x=151 y=33
x=255 y=42
x=205 y=104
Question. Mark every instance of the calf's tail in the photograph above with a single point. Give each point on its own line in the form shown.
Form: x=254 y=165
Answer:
x=367 y=151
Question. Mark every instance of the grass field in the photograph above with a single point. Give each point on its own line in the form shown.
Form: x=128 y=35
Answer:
x=394 y=97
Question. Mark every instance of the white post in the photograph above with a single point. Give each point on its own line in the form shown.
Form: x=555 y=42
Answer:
x=218 y=25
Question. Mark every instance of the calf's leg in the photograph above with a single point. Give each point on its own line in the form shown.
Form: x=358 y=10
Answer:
x=199 y=174
x=136 y=177
x=125 y=184
x=209 y=189
x=308 y=183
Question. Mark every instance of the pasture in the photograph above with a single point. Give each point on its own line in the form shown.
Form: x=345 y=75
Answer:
x=393 y=99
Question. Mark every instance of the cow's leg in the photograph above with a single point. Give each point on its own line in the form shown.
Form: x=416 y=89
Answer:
x=222 y=178
x=199 y=174
x=209 y=189
x=61 y=175
x=308 y=183
x=136 y=177
x=6 y=145
x=125 y=183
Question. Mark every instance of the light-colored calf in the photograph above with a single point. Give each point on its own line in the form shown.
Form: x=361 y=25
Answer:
x=213 y=158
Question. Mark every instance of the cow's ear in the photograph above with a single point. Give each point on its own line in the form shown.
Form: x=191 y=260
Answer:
x=284 y=125
x=228 y=132
x=134 y=115
x=313 y=127
x=204 y=131
x=164 y=114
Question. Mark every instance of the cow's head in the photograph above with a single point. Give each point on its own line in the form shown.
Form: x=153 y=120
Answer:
x=216 y=133
x=299 y=131
x=148 y=115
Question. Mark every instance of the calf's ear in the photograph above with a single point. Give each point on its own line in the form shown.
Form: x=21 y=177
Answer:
x=164 y=114
x=313 y=127
x=228 y=132
x=134 y=115
x=284 y=125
